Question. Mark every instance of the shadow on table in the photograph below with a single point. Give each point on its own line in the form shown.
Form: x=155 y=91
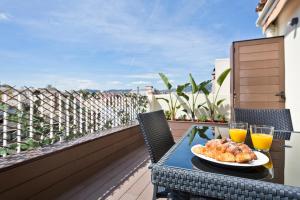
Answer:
x=256 y=173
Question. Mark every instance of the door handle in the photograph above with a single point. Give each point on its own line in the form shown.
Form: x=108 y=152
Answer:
x=281 y=95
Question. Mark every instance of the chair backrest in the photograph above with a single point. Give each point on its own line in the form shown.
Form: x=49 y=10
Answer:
x=279 y=118
x=156 y=133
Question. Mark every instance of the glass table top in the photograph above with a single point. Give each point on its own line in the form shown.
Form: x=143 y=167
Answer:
x=283 y=168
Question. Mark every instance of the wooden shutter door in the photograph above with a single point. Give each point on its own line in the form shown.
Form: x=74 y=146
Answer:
x=258 y=73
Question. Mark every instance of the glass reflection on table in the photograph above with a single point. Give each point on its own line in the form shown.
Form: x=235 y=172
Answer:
x=274 y=171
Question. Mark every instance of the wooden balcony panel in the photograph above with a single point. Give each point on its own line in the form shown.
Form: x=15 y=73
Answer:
x=55 y=173
x=113 y=167
x=127 y=178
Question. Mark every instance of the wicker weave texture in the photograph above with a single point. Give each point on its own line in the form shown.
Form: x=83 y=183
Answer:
x=220 y=186
x=156 y=133
x=279 y=118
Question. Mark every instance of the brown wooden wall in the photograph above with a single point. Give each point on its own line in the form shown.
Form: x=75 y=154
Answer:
x=49 y=176
x=258 y=73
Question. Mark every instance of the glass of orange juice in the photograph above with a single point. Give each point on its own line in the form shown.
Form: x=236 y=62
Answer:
x=238 y=131
x=262 y=137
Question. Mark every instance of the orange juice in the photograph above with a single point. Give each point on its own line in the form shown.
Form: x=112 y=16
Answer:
x=238 y=135
x=269 y=165
x=262 y=141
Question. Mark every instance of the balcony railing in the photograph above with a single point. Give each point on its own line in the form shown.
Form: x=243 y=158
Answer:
x=32 y=118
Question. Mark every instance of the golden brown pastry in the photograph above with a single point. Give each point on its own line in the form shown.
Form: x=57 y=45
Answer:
x=227 y=151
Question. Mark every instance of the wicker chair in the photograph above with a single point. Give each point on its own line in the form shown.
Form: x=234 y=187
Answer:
x=279 y=118
x=158 y=139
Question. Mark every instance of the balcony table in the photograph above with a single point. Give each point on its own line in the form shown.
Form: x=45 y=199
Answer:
x=187 y=175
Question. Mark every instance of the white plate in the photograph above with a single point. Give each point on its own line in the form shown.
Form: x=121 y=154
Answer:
x=261 y=159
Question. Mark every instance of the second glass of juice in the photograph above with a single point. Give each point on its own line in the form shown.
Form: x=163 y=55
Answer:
x=262 y=137
x=238 y=131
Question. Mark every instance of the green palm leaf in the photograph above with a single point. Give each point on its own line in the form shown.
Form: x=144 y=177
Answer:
x=192 y=135
x=180 y=88
x=202 y=132
x=166 y=81
x=200 y=105
x=160 y=98
x=206 y=108
x=220 y=102
x=184 y=96
x=202 y=87
x=223 y=76
x=195 y=88
x=180 y=92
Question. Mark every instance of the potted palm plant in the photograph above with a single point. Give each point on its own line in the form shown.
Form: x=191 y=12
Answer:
x=171 y=101
x=186 y=98
x=212 y=105
x=190 y=104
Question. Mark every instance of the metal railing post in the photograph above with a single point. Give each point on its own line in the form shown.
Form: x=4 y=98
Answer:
x=4 y=137
x=31 y=115
x=86 y=116
x=42 y=115
x=80 y=113
x=51 y=116
x=67 y=117
x=97 y=114
x=91 y=113
x=20 y=113
x=59 y=113
x=74 y=116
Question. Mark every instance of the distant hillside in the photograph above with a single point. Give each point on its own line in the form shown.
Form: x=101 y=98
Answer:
x=92 y=90
x=188 y=89
x=118 y=90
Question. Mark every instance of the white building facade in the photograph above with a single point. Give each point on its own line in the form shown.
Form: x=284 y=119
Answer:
x=281 y=18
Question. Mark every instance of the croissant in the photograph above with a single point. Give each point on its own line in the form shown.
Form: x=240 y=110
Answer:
x=226 y=150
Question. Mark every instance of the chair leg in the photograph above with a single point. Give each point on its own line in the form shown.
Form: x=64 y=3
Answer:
x=177 y=195
x=155 y=188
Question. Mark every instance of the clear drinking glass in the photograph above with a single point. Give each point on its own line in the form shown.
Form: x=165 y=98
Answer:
x=238 y=131
x=262 y=137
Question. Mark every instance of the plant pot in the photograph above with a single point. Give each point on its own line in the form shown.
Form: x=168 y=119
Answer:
x=180 y=127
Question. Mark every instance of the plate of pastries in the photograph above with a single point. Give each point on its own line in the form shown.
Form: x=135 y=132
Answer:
x=227 y=152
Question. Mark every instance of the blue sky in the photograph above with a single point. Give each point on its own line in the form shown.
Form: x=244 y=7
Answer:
x=105 y=44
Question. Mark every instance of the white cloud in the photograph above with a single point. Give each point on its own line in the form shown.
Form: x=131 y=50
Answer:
x=73 y=83
x=62 y=82
x=3 y=16
x=144 y=76
x=115 y=82
x=140 y=82
x=161 y=82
